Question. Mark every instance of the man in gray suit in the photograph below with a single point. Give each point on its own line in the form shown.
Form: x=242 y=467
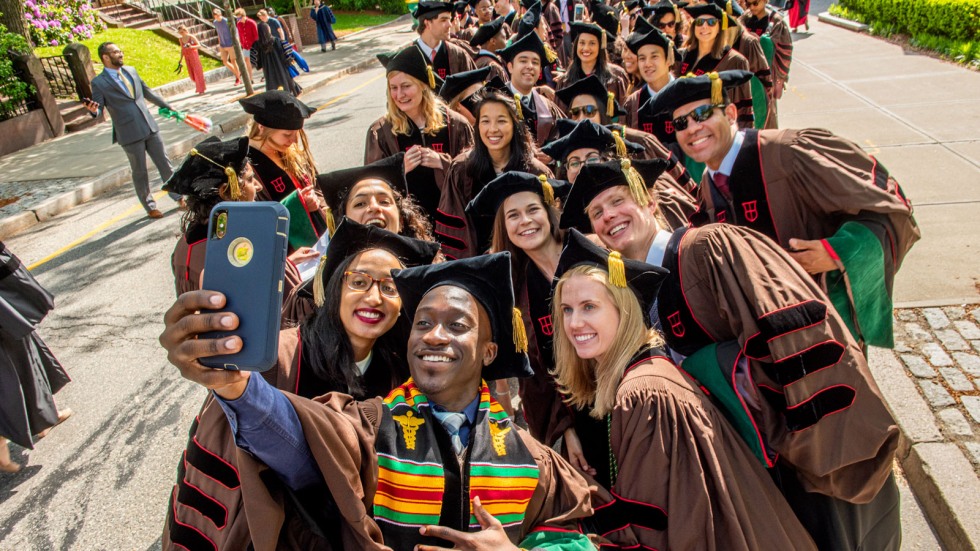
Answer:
x=121 y=90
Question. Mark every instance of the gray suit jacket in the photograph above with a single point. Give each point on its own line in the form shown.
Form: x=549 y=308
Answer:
x=131 y=120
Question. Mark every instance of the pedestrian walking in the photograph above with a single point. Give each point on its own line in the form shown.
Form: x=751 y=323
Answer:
x=288 y=44
x=324 y=18
x=272 y=58
x=248 y=34
x=189 y=46
x=30 y=375
x=226 y=44
x=120 y=89
x=798 y=11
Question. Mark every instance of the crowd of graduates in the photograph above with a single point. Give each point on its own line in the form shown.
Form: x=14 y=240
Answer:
x=592 y=200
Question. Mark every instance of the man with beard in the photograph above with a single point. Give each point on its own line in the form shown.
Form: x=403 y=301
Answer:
x=400 y=472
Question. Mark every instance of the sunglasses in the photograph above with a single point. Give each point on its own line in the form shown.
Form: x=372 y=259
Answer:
x=667 y=25
x=756 y=3
x=699 y=114
x=588 y=110
x=702 y=22
x=362 y=283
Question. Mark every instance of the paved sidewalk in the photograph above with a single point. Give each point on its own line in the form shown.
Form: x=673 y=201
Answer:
x=47 y=179
x=921 y=117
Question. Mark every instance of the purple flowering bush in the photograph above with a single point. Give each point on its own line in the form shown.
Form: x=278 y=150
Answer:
x=61 y=22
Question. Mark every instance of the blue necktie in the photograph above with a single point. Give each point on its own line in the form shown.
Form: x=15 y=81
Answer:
x=452 y=422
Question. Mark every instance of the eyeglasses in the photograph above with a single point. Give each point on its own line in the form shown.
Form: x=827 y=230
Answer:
x=588 y=110
x=711 y=22
x=361 y=283
x=699 y=114
x=591 y=159
x=667 y=25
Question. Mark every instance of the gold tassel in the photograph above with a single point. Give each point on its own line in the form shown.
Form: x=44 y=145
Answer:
x=724 y=17
x=520 y=110
x=638 y=188
x=432 y=76
x=550 y=54
x=233 y=187
x=604 y=41
x=331 y=223
x=547 y=191
x=617 y=269
x=716 y=87
x=677 y=15
x=520 y=336
x=621 y=151
x=610 y=104
x=319 y=294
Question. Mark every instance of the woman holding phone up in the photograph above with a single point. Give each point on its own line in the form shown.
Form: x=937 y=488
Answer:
x=354 y=343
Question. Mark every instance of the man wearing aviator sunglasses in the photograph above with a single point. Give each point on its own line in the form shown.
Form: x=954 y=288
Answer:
x=816 y=194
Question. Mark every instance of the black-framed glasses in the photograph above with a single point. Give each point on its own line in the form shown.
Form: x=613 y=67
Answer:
x=711 y=22
x=667 y=25
x=590 y=159
x=587 y=110
x=753 y=4
x=699 y=114
x=362 y=282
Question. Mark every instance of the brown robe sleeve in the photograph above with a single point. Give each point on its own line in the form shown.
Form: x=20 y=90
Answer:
x=742 y=95
x=459 y=58
x=678 y=457
x=561 y=498
x=675 y=204
x=187 y=262
x=653 y=149
x=380 y=142
x=452 y=228
x=782 y=40
x=742 y=286
x=632 y=108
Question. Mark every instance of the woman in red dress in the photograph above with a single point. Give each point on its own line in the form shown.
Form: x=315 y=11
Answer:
x=188 y=51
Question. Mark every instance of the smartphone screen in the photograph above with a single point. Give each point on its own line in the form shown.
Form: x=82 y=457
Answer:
x=579 y=11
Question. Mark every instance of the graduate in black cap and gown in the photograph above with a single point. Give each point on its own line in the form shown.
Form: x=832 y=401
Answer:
x=590 y=56
x=438 y=461
x=487 y=39
x=418 y=123
x=655 y=60
x=525 y=58
x=459 y=91
x=272 y=59
x=533 y=22
x=434 y=24
x=354 y=343
x=483 y=10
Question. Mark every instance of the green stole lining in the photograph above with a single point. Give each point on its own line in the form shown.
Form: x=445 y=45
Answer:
x=859 y=292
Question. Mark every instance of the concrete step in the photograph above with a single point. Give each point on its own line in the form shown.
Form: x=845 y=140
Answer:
x=81 y=124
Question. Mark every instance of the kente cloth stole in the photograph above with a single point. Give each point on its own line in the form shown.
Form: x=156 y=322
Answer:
x=412 y=474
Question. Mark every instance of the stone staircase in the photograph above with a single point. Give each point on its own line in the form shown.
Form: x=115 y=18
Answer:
x=205 y=34
x=129 y=16
x=76 y=116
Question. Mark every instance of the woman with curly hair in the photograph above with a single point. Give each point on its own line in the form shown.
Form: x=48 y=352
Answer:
x=418 y=123
x=504 y=145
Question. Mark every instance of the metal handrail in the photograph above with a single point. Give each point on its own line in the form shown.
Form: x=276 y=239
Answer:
x=198 y=10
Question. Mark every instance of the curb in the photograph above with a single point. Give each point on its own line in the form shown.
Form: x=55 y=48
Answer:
x=937 y=303
x=825 y=17
x=939 y=474
x=110 y=181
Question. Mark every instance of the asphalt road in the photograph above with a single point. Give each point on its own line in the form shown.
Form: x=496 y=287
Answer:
x=102 y=480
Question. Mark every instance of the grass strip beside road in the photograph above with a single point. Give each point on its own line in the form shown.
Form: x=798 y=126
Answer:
x=153 y=56
x=351 y=22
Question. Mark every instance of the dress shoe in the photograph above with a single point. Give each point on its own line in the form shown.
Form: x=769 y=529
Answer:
x=154 y=213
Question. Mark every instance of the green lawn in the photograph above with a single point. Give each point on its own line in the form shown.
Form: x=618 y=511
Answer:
x=349 y=22
x=152 y=55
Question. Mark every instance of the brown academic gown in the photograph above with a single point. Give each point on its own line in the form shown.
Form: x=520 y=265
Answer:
x=749 y=46
x=786 y=184
x=654 y=149
x=774 y=26
x=730 y=60
x=459 y=237
x=484 y=58
x=451 y=58
x=341 y=433
x=617 y=84
x=686 y=480
x=427 y=185
x=802 y=381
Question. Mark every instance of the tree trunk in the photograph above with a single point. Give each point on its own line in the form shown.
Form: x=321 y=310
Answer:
x=12 y=17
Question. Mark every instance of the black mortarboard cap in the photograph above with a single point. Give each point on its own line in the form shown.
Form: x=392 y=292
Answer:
x=651 y=169
x=277 y=109
x=495 y=84
x=411 y=61
x=385 y=57
x=337 y=184
x=633 y=4
x=606 y=17
x=594 y=87
x=640 y=26
x=352 y=238
x=207 y=167
x=531 y=19
x=653 y=37
x=714 y=10
x=688 y=89
x=584 y=134
x=456 y=83
x=484 y=206
x=666 y=6
x=487 y=31
x=528 y=4
x=732 y=8
x=593 y=180
x=530 y=42
x=641 y=278
x=460 y=6
x=579 y=27
x=430 y=8
x=487 y=278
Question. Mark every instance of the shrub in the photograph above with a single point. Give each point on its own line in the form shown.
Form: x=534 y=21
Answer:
x=12 y=89
x=953 y=19
x=61 y=22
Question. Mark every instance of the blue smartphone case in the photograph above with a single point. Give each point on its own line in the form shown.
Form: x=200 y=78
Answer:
x=245 y=260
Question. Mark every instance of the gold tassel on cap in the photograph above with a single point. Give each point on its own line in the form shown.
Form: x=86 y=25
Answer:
x=331 y=223
x=547 y=191
x=233 y=188
x=520 y=336
x=550 y=54
x=520 y=110
x=716 y=87
x=638 y=188
x=604 y=42
x=617 y=269
x=432 y=76
x=677 y=14
x=319 y=294
x=610 y=104
x=724 y=16
x=621 y=151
